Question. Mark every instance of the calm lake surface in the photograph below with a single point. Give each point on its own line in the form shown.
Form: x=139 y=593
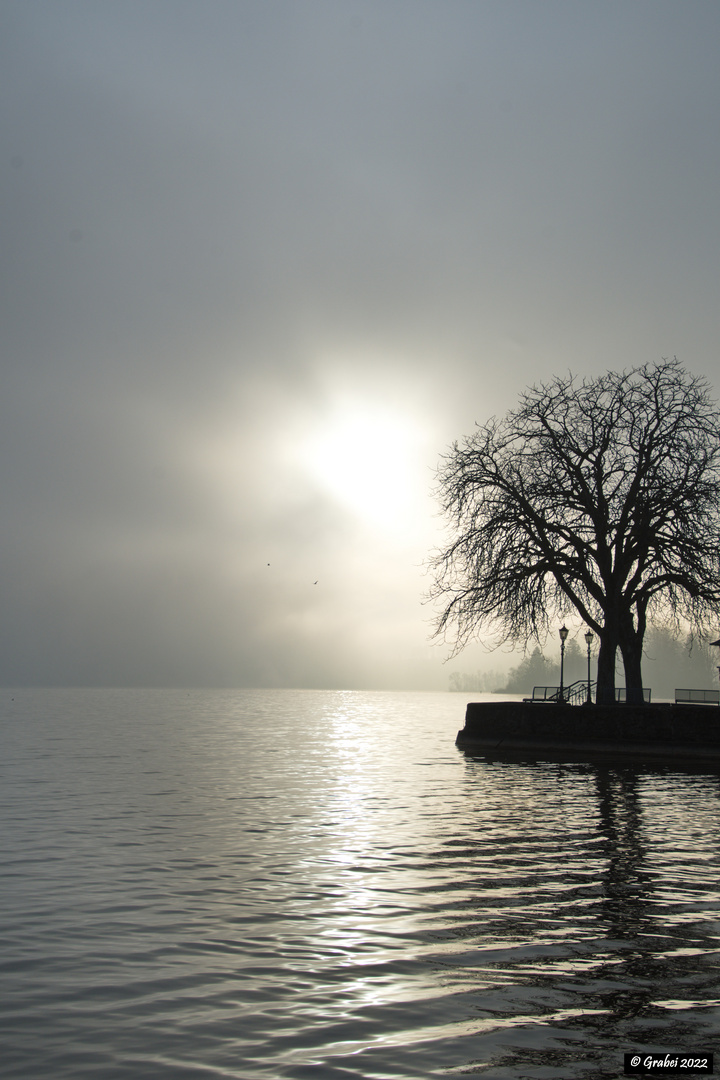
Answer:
x=271 y=884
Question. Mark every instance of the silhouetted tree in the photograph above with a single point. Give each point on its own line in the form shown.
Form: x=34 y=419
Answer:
x=535 y=669
x=602 y=496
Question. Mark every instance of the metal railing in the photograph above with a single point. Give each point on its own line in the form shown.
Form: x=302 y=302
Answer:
x=621 y=694
x=574 y=694
x=577 y=693
x=697 y=697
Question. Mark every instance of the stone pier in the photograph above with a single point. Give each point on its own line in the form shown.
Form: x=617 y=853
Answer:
x=680 y=733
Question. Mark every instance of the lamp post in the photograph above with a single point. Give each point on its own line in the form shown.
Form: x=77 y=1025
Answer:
x=717 y=643
x=588 y=641
x=563 y=638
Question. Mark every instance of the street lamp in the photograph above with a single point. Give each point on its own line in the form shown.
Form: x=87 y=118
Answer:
x=563 y=638
x=717 y=643
x=588 y=641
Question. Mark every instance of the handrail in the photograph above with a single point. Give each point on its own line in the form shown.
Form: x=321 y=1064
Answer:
x=574 y=694
x=577 y=693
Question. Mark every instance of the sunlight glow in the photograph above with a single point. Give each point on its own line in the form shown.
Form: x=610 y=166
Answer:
x=368 y=458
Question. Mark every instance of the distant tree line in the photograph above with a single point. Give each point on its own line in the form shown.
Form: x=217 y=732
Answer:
x=535 y=669
x=475 y=682
x=674 y=662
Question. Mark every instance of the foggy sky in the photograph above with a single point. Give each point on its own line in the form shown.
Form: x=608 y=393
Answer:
x=263 y=261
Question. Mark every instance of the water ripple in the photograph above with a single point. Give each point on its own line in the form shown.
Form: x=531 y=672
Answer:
x=297 y=884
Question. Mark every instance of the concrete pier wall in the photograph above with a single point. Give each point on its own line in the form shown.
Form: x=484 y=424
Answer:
x=683 y=732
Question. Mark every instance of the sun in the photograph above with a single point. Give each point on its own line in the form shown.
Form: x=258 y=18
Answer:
x=369 y=459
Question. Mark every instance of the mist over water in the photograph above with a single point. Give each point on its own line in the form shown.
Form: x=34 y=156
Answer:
x=319 y=884
x=263 y=263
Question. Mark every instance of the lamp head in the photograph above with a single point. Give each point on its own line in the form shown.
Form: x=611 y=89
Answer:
x=563 y=633
x=589 y=638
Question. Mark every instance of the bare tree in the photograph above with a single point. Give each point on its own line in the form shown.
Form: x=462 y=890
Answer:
x=601 y=496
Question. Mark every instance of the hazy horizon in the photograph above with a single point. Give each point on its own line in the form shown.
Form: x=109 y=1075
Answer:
x=262 y=263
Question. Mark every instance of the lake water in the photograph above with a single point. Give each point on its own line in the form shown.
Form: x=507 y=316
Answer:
x=271 y=884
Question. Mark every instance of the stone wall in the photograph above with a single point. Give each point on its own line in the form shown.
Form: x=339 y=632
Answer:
x=668 y=729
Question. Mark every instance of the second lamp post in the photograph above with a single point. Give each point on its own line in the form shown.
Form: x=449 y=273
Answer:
x=588 y=642
x=563 y=638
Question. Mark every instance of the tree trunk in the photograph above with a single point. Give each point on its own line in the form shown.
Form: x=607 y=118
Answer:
x=631 y=649
x=605 y=693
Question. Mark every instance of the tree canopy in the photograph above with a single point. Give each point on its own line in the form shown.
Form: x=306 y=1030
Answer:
x=600 y=495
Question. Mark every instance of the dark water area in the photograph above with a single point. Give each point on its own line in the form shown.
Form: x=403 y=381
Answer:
x=280 y=884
